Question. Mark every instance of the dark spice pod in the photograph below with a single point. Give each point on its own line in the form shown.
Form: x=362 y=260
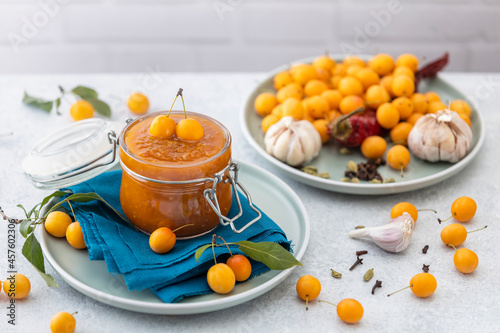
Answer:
x=367 y=170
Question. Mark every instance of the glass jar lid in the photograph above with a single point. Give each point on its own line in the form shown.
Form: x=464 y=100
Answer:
x=73 y=154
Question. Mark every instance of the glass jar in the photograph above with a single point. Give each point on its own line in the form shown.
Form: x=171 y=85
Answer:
x=165 y=180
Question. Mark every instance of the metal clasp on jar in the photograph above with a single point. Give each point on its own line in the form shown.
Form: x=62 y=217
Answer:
x=211 y=197
x=211 y=194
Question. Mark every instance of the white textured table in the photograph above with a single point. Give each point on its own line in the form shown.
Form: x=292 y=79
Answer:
x=461 y=302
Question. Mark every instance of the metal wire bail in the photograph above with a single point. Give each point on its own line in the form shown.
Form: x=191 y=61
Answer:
x=211 y=197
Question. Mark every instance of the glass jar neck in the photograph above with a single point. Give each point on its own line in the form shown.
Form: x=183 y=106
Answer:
x=149 y=167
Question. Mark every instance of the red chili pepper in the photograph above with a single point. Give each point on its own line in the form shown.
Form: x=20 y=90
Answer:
x=430 y=71
x=350 y=130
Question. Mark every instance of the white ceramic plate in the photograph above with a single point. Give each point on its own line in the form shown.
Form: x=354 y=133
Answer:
x=418 y=174
x=92 y=278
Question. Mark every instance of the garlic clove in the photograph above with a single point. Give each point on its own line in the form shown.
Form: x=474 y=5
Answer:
x=293 y=141
x=394 y=237
x=445 y=142
x=463 y=134
x=308 y=144
x=296 y=152
x=280 y=147
x=441 y=136
x=274 y=132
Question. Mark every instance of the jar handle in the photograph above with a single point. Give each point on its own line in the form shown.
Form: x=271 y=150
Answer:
x=211 y=197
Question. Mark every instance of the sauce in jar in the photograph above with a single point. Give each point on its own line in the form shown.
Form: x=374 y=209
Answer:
x=149 y=163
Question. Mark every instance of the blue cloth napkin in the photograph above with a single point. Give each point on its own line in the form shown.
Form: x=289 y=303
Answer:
x=174 y=275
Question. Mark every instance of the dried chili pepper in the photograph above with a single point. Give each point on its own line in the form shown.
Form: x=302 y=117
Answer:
x=430 y=71
x=351 y=129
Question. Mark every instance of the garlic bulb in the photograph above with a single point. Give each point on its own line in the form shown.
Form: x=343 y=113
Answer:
x=441 y=136
x=293 y=141
x=395 y=236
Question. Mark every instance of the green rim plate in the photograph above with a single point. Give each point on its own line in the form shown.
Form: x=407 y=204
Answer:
x=92 y=278
x=418 y=174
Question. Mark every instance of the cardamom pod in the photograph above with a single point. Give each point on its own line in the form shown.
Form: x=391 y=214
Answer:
x=336 y=274
x=359 y=227
x=352 y=166
x=325 y=175
x=355 y=180
x=310 y=167
x=345 y=180
x=344 y=151
x=368 y=275
x=310 y=172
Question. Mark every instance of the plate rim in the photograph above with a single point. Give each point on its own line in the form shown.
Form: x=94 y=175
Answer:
x=354 y=188
x=192 y=307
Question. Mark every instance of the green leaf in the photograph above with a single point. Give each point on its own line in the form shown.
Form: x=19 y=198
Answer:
x=56 y=194
x=100 y=106
x=37 y=102
x=87 y=197
x=85 y=93
x=22 y=207
x=33 y=252
x=33 y=210
x=58 y=104
x=25 y=228
x=200 y=251
x=270 y=254
x=91 y=96
x=63 y=209
x=49 y=280
x=84 y=197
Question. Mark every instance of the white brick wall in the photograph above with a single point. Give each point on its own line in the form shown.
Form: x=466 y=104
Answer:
x=238 y=35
